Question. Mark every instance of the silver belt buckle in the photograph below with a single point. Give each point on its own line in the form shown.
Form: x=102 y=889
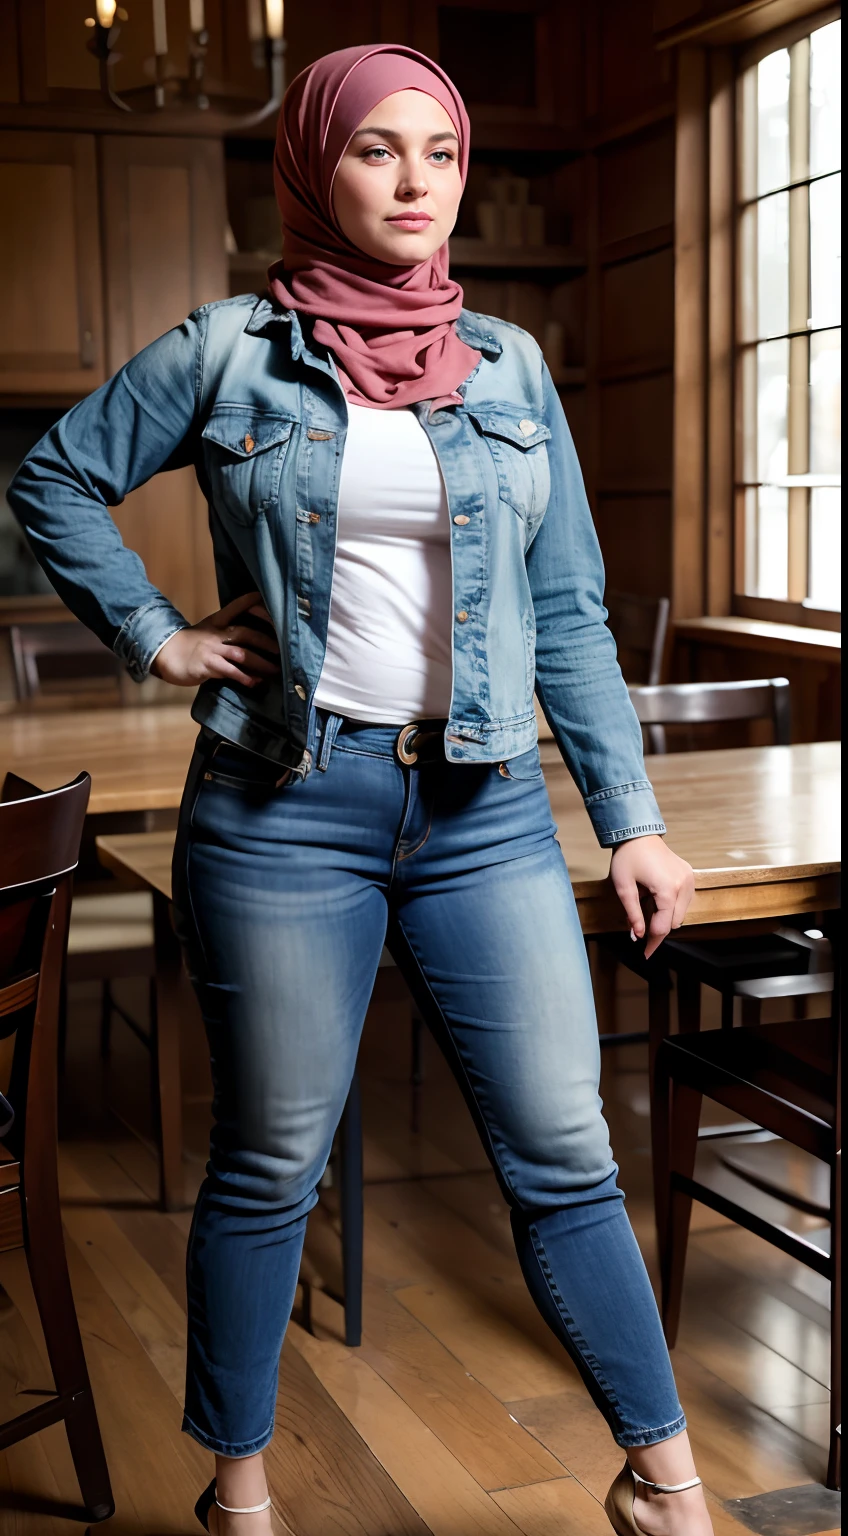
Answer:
x=407 y=733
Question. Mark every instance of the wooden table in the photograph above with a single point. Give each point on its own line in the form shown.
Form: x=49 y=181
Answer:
x=138 y=758
x=760 y=827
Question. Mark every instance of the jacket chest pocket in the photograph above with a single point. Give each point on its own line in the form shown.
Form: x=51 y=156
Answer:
x=516 y=442
x=244 y=454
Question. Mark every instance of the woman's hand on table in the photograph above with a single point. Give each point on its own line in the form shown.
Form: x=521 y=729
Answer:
x=650 y=863
x=221 y=646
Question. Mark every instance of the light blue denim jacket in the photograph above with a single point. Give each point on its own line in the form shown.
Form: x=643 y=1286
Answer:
x=242 y=392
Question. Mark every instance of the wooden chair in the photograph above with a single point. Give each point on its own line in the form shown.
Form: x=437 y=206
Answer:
x=787 y=1077
x=640 y=629
x=717 y=963
x=695 y=704
x=39 y=848
x=64 y=660
x=111 y=935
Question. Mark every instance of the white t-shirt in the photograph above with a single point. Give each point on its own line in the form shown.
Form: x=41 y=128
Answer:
x=389 y=641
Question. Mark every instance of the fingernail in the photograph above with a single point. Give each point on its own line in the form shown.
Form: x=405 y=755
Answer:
x=633 y=935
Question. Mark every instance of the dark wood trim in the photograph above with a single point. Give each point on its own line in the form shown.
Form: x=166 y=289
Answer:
x=718 y=24
x=32 y=52
x=690 y=336
x=721 y=325
x=784 y=37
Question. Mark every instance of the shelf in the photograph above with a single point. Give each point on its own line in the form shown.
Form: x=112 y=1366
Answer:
x=464 y=252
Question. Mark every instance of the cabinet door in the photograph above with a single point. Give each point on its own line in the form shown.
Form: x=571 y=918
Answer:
x=164 y=222
x=51 y=337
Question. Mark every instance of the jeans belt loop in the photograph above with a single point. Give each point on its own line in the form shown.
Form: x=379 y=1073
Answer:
x=332 y=725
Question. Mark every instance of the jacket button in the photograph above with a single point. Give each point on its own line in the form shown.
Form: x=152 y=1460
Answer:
x=527 y=427
x=249 y=443
x=461 y=519
x=300 y=690
x=462 y=616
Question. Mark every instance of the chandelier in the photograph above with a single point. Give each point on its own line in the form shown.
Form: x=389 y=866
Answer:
x=265 y=30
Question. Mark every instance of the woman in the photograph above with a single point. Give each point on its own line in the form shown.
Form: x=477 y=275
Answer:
x=404 y=550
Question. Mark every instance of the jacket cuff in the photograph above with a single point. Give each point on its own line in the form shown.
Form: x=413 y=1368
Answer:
x=143 y=634
x=627 y=810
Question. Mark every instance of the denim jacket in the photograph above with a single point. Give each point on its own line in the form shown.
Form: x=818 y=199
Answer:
x=243 y=392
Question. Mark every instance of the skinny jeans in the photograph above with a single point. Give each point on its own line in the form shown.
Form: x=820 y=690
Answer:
x=284 y=897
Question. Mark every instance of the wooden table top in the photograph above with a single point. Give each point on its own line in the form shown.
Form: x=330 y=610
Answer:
x=137 y=757
x=759 y=825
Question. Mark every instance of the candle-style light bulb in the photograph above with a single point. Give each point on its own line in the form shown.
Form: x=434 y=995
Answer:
x=255 y=25
x=197 y=15
x=274 y=17
x=106 y=12
x=160 y=28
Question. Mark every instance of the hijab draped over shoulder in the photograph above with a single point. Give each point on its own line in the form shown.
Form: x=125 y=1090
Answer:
x=392 y=329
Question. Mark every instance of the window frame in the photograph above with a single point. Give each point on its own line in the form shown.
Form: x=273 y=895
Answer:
x=794 y=609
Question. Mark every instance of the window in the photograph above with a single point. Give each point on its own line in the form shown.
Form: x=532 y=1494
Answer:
x=788 y=460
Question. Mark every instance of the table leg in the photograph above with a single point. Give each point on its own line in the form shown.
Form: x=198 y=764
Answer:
x=166 y=1048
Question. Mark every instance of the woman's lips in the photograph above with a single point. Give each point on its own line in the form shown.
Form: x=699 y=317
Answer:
x=411 y=220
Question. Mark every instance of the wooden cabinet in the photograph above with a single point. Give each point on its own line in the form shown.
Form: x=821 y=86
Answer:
x=163 y=248
x=51 y=337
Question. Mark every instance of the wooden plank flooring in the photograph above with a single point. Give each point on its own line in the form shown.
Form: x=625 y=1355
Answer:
x=460 y=1415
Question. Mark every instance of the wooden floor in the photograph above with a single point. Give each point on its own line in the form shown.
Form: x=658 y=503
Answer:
x=460 y=1415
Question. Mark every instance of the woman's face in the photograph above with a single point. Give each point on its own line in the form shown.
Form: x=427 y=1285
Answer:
x=403 y=159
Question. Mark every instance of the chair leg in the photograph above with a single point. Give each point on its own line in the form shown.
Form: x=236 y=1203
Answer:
x=105 y=1018
x=606 y=973
x=62 y=1036
x=48 y=1268
x=752 y=1011
x=688 y=1005
x=659 y=1026
x=834 y=1464
x=352 y=1213
x=684 y=1115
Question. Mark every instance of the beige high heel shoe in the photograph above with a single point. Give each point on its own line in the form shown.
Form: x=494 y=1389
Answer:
x=619 y=1501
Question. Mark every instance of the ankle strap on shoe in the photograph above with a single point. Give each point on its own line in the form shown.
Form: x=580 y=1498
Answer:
x=666 y=1487
x=252 y=1509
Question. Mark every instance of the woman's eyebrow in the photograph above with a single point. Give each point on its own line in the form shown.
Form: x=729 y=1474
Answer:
x=393 y=133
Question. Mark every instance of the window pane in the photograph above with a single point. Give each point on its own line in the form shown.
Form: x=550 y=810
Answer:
x=773 y=265
x=825 y=548
x=826 y=403
x=772 y=542
x=826 y=251
x=773 y=121
x=826 y=99
x=772 y=397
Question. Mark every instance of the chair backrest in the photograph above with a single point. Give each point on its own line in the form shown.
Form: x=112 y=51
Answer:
x=640 y=628
x=40 y=833
x=708 y=703
x=61 y=654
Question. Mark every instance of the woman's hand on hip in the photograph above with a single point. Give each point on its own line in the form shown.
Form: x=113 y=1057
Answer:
x=649 y=862
x=220 y=646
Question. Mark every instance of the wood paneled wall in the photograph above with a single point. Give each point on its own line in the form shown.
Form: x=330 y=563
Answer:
x=630 y=208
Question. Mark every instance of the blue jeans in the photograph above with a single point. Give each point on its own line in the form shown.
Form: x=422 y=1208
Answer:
x=284 y=898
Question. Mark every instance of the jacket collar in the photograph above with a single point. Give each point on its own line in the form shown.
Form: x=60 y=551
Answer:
x=269 y=319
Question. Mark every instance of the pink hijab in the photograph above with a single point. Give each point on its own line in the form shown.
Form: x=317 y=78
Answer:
x=392 y=329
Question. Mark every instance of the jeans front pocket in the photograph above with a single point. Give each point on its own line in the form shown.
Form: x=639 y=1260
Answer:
x=243 y=453
x=526 y=765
